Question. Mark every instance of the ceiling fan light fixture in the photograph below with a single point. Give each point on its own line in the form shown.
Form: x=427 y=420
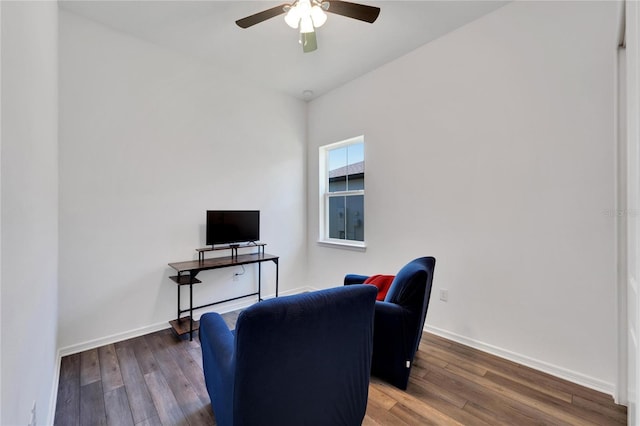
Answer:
x=292 y=18
x=318 y=16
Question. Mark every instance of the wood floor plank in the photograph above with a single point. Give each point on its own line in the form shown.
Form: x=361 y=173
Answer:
x=189 y=367
x=433 y=339
x=426 y=358
x=144 y=356
x=382 y=414
x=196 y=355
x=109 y=368
x=92 y=410
x=609 y=413
x=89 y=367
x=151 y=421
x=552 y=392
x=408 y=416
x=183 y=390
x=117 y=407
x=70 y=368
x=443 y=401
x=430 y=393
x=592 y=395
x=483 y=359
x=140 y=400
x=368 y=421
x=169 y=411
x=409 y=400
x=381 y=398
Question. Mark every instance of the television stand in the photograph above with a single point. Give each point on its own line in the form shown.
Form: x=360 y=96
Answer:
x=188 y=270
x=233 y=247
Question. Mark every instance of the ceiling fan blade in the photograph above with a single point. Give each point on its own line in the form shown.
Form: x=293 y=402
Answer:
x=354 y=10
x=261 y=16
x=309 y=42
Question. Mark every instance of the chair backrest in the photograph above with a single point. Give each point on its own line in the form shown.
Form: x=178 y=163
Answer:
x=305 y=359
x=411 y=289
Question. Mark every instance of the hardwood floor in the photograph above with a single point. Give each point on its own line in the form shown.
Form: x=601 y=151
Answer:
x=157 y=379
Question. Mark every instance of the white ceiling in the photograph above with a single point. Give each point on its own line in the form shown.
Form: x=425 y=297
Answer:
x=269 y=53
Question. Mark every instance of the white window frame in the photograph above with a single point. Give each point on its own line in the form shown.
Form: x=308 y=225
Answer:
x=324 y=195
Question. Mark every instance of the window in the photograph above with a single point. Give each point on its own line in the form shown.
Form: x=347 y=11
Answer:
x=342 y=192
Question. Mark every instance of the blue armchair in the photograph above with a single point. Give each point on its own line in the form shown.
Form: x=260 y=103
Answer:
x=399 y=320
x=294 y=360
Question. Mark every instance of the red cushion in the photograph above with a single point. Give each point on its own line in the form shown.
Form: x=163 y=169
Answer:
x=383 y=282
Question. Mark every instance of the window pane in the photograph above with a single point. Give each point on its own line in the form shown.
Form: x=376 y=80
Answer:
x=355 y=217
x=337 y=183
x=336 y=217
x=346 y=217
x=355 y=166
x=346 y=168
x=337 y=169
x=337 y=158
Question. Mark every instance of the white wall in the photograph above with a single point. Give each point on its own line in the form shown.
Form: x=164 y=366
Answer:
x=632 y=205
x=29 y=177
x=492 y=149
x=149 y=140
x=0 y=209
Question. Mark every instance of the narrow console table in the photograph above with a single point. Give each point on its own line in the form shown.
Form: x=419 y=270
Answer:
x=187 y=272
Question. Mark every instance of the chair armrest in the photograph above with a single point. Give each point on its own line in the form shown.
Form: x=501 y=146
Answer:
x=217 y=341
x=390 y=316
x=392 y=343
x=218 y=359
x=394 y=322
x=390 y=326
x=354 y=279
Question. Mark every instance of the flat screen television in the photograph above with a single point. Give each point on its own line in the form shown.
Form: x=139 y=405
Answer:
x=232 y=226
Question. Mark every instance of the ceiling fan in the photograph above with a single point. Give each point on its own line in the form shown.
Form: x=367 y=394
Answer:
x=310 y=14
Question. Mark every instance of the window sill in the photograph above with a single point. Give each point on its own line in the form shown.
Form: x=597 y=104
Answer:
x=348 y=245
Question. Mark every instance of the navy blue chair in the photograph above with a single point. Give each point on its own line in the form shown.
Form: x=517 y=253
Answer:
x=399 y=320
x=294 y=360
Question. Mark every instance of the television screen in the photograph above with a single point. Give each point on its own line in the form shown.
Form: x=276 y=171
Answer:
x=232 y=226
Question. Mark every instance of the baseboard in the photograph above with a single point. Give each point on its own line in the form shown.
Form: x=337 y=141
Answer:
x=53 y=401
x=107 y=340
x=554 y=370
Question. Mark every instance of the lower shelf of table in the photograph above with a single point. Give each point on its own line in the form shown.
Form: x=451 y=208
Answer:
x=181 y=325
x=184 y=280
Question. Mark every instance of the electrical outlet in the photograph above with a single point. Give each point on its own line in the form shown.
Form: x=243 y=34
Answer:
x=444 y=295
x=32 y=422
